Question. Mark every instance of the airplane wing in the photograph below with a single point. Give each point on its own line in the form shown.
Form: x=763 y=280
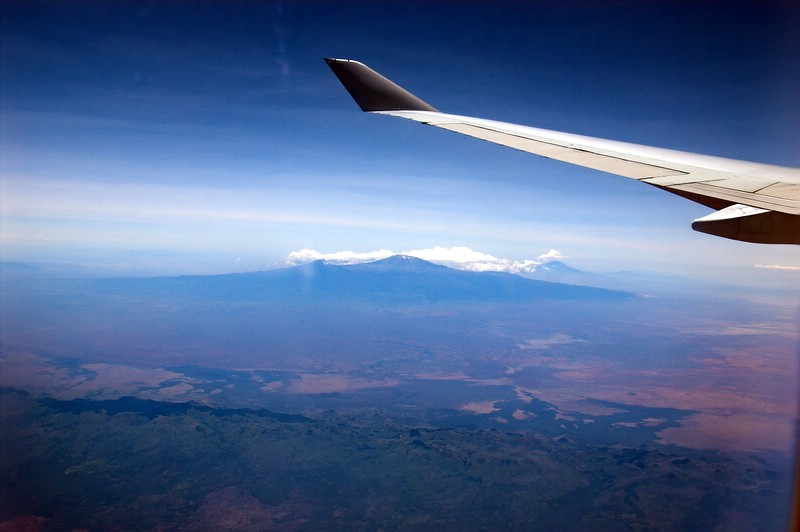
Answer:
x=754 y=202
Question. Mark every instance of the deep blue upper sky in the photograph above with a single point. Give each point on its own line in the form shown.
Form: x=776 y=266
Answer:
x=210 y=136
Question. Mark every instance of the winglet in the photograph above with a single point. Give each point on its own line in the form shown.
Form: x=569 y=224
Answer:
x=373 y=92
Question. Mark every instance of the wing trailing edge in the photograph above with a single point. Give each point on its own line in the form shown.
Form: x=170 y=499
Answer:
x=755 y=202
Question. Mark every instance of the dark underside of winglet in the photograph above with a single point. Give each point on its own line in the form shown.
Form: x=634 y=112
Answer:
x=373 y=92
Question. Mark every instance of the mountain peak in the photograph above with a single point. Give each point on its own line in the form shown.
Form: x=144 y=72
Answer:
x=404 y=263
x=558 y=266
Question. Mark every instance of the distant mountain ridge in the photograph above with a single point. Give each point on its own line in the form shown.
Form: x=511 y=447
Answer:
x=397 y=278
x=640 y=282
x=558 y=266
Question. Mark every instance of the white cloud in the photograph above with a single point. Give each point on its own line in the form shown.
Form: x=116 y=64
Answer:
x=551 y=255
x=458 y=257
x=777 y=267
x=340 y=257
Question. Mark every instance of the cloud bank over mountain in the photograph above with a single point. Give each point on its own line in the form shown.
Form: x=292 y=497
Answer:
x=458 y=257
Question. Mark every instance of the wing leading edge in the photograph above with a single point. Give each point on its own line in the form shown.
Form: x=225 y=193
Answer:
x=754 y=202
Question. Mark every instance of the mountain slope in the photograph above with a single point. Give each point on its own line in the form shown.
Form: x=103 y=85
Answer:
x=397 y=278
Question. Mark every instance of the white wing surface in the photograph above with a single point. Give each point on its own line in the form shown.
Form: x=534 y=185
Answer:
x=755 y=202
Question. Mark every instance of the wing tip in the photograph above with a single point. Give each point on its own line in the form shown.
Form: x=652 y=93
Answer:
x=371 y=91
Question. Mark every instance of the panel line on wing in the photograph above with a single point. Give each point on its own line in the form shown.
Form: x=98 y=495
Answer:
x=575 y=155
x=788 y=191
x=685 y=179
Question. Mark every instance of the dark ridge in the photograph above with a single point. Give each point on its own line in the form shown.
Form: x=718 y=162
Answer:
x=152 y=409
x=18 y=267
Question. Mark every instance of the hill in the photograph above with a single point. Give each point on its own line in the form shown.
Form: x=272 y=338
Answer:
x=394 y=279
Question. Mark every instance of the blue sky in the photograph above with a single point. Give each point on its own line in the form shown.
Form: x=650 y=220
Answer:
x=211 y=137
